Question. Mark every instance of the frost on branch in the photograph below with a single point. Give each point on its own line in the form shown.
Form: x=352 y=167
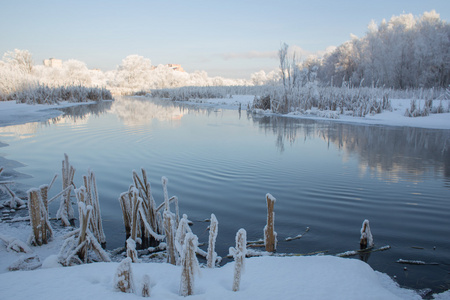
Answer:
x=239 y=255
x=366 y=240
x=189 y=264
x=270 y=236
x=211 y=254
x=123 y=279
x=65 y=211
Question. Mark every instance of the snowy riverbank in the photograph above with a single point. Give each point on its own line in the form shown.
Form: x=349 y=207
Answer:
x=12 y=113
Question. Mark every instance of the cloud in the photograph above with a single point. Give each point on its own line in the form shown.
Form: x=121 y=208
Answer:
x=250 y=55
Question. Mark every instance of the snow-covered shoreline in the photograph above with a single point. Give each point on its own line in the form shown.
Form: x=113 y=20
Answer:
x=12 y=113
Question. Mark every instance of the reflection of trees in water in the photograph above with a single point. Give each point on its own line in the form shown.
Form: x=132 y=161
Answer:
x=134 y=111
x=82 y=112
x=380 y=148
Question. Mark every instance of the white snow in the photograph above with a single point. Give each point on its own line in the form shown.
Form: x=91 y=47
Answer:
x=316 y=277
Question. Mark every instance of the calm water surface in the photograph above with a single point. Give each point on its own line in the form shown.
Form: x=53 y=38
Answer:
x=325 y=175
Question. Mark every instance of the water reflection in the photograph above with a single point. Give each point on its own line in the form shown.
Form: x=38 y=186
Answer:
x=391 y=152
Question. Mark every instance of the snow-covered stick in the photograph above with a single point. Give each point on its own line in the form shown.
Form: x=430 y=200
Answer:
x=15 y=244
x=41 y=229
x=15 y=201
x=366 y=240
x=91 y=198
x=126 y=204
x=212 y=255
x=123 y=279
x=85 y=214
x=131 y=250
x=189 y=264
x=182 y=230
x=169 y=227
x=65 y=211
x=239 y=255
x=270 y=236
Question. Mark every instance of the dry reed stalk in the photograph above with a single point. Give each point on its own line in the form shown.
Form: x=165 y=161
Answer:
x=212 y=255
x=366 y=239
x=91 y=198
x=34 y=206
x=84 y=221
x=65 y=212
x=270 y=236
x=41 y=229
x=239 y=255
x=170 y=237
x=189 y=264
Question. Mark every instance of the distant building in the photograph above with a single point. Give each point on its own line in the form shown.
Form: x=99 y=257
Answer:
x=53 y=62
x=175 y=67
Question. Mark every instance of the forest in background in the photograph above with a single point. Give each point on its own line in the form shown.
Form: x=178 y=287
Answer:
x=407 y=53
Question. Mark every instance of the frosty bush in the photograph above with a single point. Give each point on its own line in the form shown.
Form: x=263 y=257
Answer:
x=44 y=94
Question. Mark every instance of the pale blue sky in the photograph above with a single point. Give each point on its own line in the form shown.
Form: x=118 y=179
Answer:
x=225 y=38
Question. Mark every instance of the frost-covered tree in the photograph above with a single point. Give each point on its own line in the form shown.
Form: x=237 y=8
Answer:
x=189 y=265
x=238 y=254
x=22 y=59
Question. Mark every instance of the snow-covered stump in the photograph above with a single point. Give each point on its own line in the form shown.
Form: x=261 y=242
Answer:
x=123 y=279
x=41 y=229
x=145 y=287
x=65 y=211
x=189 y=264
x=239 y=255
x=366 y=240
x=211 y=254
x=270 y=236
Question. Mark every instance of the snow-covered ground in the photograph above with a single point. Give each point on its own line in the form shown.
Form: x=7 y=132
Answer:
x=313 y=277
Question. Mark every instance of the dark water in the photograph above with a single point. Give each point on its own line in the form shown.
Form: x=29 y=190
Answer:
x=325 y=175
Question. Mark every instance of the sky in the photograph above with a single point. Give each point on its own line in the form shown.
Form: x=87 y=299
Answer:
x=229 y=38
